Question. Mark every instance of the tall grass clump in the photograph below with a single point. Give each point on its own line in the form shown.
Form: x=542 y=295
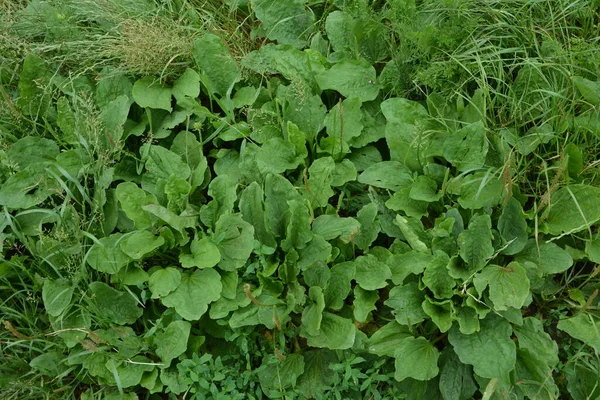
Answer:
x=136 y=37
x=516 y=59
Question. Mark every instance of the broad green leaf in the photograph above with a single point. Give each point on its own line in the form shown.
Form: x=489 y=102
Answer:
x=364 y=157
x=66 y=121
x=490 y=351
x=535 y=137
x=31 y=150
x=130 y=373
x=247 y=316
x=186 y=146
x=31 y=222
x=339 y=284
x=466 y=149
x=253 y=211
x=223 y=306
x=371 y=274
x=386 y=339
x=582 y=381
x=276 y=156
x=177 y=191
x=278 y=191
x=57 y=295
x=398 y=110
x=298 y=232
x=307 y=112
x=166 y=215
x=229 y=280
x=76 y=318
x=479 y=190
x=275 y=374
x=298 y=138
x=592 y=248
x=405 y=264
x=590 y=90
x=332 y=226
x=334 y=146
x=550 y=258
x=411 y=235
x=369 y=226
x=216 y=64
x=456 y=378
x=265 y=124
x=509 y=286
x=147 y=92
x=318 y=185
x=162 y=163
x=364 y=303
x=387 y=222
x=533 y=338
x=173 y=380
x=474 y=111
x=344 y=120
x=34 y=86
x=351 y=79
x=335 y=333
x=313 y=314
x=318 y=249
x=113 y=117
x=468 y=320
x=374 y=126
x=440 y=312
x=416 y=358
x=223 y=190
x=245 y=96
x=110 y=86
x=131 y=275
x=95 y=364
x=49 y=364
x=387 y=175
x=534 y=377
x=573 y=208
x=405 y=131
x=163 y=281
x=513 y=227
x=27 y=188
x=294 y=65
x=132 y=198
x=106 y=255
x=437 y=278
x=204 y=254
x=475 y=243
x=317 y=373
x=287 y=22
x=401 y=201
x=172 y=343
x=424 y=189
x=235 y=240
x=113 y=305
x=344 y=172
x=196 y=290
x=406 y=302
x=187 y=85
x=140 y=243
x=354 y=37
x=582 y=327
x=317 y=274
x=575 y=157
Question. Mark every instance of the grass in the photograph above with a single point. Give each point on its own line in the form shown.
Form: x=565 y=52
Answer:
x=136 y=37
x=511 y=61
